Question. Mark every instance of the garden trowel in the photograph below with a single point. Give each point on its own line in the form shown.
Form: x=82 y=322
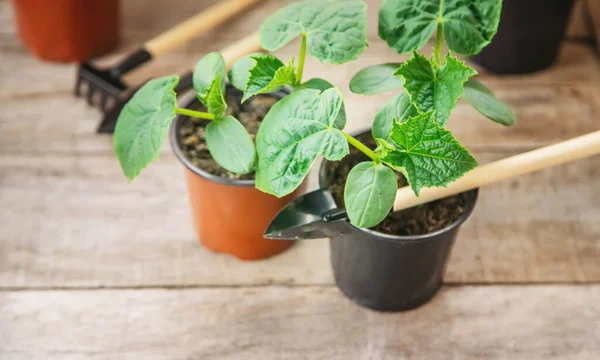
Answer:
x=311 y=216
x=315 y=215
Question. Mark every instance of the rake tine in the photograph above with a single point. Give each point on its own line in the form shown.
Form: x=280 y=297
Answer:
x=109 y=121
x=103 y=101
x=90 y=94
x=107 y=81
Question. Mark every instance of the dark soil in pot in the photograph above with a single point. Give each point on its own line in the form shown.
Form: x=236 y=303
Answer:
x=219 y=198
x=192 y=136
x=420 y=220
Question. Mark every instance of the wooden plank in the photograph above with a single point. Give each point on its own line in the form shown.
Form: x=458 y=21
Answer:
x=545 y=114
x=74 y=221
x=577 y=64
x=500 y=322
x=550 y=106
x=82 y=224
x=142 y=20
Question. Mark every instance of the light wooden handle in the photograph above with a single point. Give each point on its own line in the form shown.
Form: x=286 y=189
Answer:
x=247 y=45
x=196 y=25
x=570 y=150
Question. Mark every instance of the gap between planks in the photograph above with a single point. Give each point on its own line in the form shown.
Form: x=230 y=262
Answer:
x=545 y=115
x=526 y=284
x=505 y=322
x=76 y=222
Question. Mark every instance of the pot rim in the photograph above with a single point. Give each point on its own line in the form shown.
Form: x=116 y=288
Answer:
x=405 y=238
x=187 y=101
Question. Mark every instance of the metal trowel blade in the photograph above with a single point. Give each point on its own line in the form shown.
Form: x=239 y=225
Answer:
x=311 y=216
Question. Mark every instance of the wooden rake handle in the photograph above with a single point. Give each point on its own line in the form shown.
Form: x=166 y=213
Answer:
x=245 y=46
x=204 y=21
x=563 y=152
x=231 y=54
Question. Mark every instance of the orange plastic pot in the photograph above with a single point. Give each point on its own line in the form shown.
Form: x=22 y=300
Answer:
x=67 y=30
x=230 y=216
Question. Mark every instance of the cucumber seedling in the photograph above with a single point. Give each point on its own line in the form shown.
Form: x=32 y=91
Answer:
x=332 y=32
x=409 y=129
x=143 y=123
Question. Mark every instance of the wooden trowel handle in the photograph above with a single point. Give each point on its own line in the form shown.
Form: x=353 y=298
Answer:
x=563 y=152
x=204 y=21
x=231 y=54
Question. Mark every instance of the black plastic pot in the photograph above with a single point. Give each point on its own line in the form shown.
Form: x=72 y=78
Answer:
x=528 y=38
x=391 y=273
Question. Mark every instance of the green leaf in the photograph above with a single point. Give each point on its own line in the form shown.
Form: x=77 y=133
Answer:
x=376 y=79
x=336 y=30
x=398 y=108
x=322 y=85
x=143 y=125
x=484 y=101
x=295 y=131
x=435 y=89
x=230 y=145
x=317 y=84
x=467 y=25
x=214 y=99
x=206 y=71
x=427 y=154
x=240 y=70
x=269 y=74
x=369 y=193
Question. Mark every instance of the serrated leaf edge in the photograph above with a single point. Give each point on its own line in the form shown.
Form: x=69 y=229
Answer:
x=262 y=91
x=448 y=180
x=434 y=71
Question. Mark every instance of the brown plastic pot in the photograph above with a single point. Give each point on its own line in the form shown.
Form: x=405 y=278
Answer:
x=230 y=216
x=67 y=30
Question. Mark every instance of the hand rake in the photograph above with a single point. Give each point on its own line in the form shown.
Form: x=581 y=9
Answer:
x=107 y=82
x=231 y=53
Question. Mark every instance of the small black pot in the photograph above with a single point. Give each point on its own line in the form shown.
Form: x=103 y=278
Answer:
x=528 y=38
x=391 y=273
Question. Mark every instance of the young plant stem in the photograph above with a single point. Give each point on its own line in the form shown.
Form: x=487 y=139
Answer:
x=196 y=114
x=300 y=68
x=439 y=40
x=362 y=147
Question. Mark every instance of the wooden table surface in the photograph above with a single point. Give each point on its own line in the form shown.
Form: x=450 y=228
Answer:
x=94 y=267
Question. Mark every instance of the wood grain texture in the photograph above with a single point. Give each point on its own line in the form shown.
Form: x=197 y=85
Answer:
x=71 y=226
x=142 y=20
x=594 y=21
x=81 y=224
x=70 y=220
x=546 y=113
x=552 y=105
x=504 y=322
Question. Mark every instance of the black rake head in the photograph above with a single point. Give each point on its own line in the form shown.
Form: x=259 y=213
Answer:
x=100 y=87
x=104 y=88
